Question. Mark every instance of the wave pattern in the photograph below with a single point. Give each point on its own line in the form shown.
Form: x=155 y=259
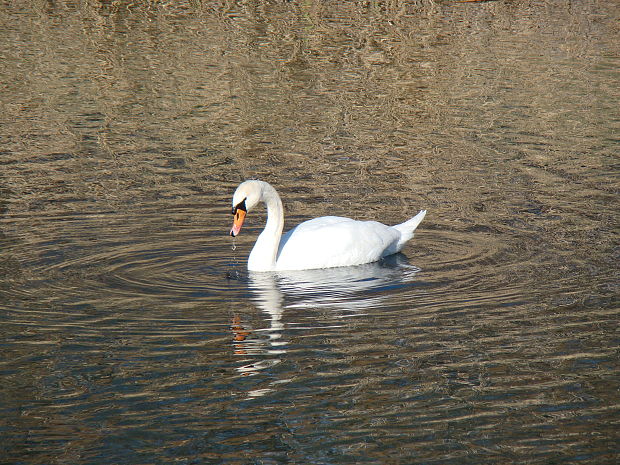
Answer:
x=130 y=329
x=169 y=328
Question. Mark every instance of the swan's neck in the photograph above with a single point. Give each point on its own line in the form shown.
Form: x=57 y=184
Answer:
x=265 y=252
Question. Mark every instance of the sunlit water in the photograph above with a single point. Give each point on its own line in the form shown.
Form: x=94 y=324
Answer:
x=131 y=331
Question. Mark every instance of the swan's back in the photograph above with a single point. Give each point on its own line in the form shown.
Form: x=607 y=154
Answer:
x=331 y=241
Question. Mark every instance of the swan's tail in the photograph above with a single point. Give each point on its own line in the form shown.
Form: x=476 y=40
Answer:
x=407 y=228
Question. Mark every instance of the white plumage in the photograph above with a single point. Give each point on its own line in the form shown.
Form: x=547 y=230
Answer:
x=324 y=242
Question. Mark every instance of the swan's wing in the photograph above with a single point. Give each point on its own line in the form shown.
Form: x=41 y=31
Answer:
x=334 y=241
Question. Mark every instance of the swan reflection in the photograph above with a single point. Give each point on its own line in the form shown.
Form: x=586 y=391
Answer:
x=349 y=291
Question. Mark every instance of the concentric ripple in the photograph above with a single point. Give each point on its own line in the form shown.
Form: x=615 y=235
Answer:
x=480 y=264
x=104 y=254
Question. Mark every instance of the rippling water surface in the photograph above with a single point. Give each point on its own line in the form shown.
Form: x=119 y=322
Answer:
x=131 y=331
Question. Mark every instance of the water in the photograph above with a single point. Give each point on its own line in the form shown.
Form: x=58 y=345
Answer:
x=131 y=331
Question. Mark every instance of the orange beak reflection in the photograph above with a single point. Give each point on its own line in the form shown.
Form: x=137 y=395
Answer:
x=238 y=221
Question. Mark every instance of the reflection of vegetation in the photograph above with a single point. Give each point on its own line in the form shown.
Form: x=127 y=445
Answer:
x=129 y=122
x=330 y=94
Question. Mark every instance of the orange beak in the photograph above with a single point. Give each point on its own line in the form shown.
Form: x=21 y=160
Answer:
x=238 y=221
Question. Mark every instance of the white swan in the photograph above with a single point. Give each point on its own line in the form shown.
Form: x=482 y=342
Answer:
x=324 y=242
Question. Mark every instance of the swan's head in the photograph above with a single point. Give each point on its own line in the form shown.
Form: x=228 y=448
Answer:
x=247 y=195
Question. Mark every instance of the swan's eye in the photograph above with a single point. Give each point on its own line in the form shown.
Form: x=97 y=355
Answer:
x=240 y=206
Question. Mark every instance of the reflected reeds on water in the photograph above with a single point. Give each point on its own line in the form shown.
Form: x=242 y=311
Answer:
x=131 y=329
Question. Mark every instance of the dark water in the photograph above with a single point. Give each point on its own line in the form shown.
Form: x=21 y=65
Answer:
x=131 y=332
